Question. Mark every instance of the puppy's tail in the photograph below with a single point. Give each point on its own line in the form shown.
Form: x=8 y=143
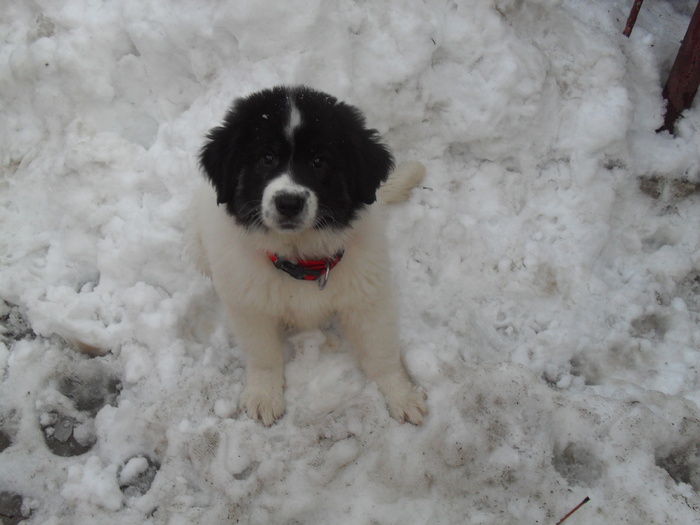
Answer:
x=401 y=181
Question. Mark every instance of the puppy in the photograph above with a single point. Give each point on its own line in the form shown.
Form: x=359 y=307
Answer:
x=287 y=230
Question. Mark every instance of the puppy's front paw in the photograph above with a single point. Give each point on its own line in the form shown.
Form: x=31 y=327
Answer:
x=263 y=396
x=409 y=407
x=405 y=402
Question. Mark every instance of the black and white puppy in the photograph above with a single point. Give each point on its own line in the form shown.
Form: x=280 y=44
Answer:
x=287 y=230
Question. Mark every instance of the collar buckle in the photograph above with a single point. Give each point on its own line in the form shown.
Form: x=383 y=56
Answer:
x=323 y=278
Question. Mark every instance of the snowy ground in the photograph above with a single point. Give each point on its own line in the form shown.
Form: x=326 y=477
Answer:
x=548 y=270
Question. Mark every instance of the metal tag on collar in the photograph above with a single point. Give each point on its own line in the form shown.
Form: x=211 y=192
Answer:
x=323 y=278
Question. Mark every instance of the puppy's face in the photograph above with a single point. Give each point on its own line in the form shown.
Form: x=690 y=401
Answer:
x=291 y=159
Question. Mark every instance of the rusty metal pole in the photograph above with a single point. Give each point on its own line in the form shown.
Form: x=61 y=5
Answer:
x=684 y=78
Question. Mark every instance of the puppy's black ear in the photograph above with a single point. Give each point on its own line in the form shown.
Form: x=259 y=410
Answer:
x=218 y=161
x=375 y=164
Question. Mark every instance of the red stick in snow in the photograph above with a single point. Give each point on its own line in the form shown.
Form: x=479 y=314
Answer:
x=684 y=78
x=585 y=500
x=633 y=17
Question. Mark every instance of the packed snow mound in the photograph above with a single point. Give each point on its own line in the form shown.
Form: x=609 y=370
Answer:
x=548 y=268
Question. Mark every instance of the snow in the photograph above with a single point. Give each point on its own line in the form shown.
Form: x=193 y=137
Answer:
x=548 y=270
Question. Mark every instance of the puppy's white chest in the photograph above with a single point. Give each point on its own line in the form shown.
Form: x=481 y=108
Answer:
x=306 y=307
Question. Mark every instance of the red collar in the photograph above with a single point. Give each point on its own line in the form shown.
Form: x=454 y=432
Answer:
x=308 y=269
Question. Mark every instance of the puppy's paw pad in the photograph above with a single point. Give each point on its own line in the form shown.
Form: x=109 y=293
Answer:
x=409 y=408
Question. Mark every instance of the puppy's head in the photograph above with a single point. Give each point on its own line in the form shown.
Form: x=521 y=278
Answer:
x=291 y=158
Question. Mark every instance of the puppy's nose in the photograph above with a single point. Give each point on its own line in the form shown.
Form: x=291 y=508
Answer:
x=289 y=204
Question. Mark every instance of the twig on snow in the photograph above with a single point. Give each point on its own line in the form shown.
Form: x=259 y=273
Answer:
x=633 y=17
x=585 y=500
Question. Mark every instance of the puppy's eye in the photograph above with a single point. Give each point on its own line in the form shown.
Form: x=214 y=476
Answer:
x=319 y=162
x=268 y=159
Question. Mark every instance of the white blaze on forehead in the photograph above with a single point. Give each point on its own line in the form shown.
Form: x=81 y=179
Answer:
x=294 y=120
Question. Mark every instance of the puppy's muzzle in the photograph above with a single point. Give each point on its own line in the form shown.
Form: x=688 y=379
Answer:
x=289 y=205
x=291 y=210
